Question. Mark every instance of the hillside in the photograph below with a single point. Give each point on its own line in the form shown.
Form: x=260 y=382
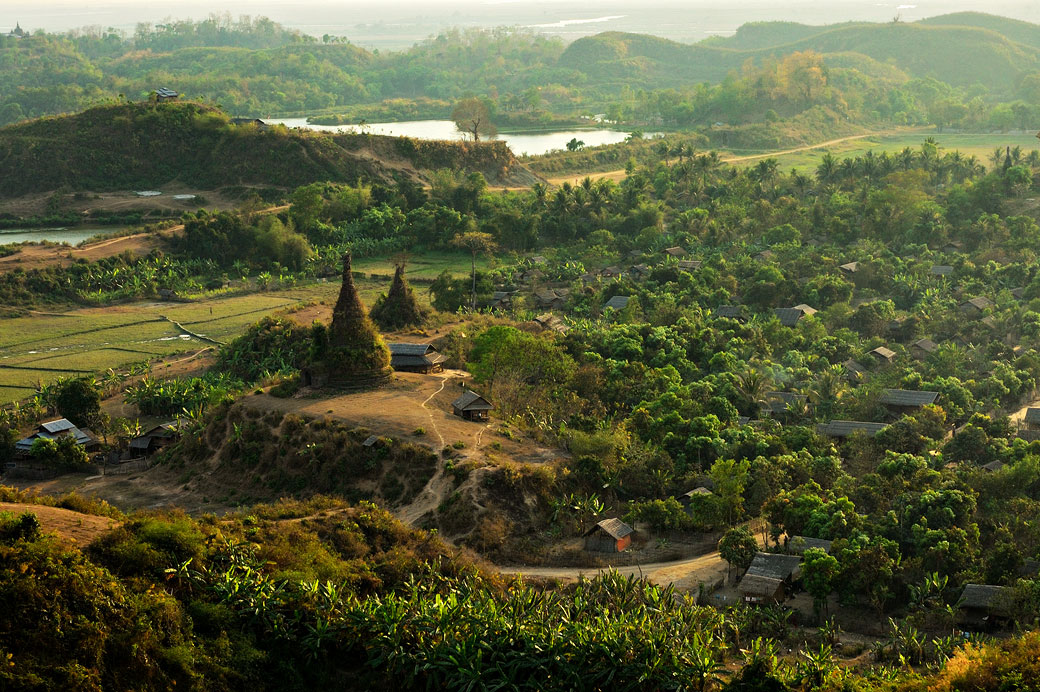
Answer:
x=143 y=146
x=960 y=53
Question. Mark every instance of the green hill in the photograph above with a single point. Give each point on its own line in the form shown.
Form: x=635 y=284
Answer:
x=958 y=53
x=144 y=145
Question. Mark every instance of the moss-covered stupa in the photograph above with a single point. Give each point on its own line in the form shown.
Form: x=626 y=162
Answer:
x=350 y=352
x=399 y=308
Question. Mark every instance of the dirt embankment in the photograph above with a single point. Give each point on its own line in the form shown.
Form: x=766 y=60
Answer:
x=76 y=527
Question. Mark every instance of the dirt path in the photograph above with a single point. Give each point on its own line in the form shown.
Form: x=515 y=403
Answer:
x=619 y=175
x=683 y=574
x=75 y=527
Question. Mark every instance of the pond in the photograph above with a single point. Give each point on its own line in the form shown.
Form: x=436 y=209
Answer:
x=533 y=143
x=72 y=236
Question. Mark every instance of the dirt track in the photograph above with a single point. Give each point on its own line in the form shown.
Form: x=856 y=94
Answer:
x=619 y=175
x=76 y=527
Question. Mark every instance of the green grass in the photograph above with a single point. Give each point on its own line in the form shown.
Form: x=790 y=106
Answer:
x=978 y=145
x=425 y=266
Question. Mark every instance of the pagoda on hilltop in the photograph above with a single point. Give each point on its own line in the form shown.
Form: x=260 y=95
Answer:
x=349 y=352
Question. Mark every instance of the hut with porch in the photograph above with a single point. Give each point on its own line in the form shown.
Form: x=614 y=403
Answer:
x=471 y=406
x=423 y=358
x=769 y=577
x=55 y=430
x=984 y=607
x=900 y=401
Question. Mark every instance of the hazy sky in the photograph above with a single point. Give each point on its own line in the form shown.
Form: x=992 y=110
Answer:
x=395 y=23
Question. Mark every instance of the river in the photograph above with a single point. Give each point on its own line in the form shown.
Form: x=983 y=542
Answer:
x=72 y=236
x=531 y=143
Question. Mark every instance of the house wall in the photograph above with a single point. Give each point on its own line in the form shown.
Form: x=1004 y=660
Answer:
x=600 y=542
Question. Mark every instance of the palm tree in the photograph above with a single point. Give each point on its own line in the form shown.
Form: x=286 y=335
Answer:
x=752 y=386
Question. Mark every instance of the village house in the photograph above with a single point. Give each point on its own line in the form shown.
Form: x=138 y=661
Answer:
x=941 y=270
x=549 y=298
x=923 y=347
x=790 y=317
x=732 y=312
x=1032 y=418
x=975 y=306
x=539 y=260
x=690 y=265
x=501 y=300
x=639 y=271
x=617 y=303
x=612 y=272
x=471 y=406
x=608 y=536
x=853 y=370
x=764 y=256
x=900 y=401
x=797 y=545
x=769 y=578
x=163 y=94
x=155 y=439
x=784 y=404
x=54 y=430
x=883 y=355
x=984 y=607
x=675 y=252
x=405 y=357
x=550 y=322
x=691 y=496
x=844 y=428
x=529 y=276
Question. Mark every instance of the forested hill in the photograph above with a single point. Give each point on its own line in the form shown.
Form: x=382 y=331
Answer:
x=147 y=145
x=970 y=49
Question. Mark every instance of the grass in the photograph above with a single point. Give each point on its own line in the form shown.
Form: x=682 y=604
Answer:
x=978 y=145
x=44 y=347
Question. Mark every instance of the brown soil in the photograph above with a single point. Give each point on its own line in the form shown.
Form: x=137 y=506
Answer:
x=80 y=529
x=37 y=204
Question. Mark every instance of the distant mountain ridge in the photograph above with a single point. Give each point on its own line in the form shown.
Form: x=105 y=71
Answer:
x=960 y=49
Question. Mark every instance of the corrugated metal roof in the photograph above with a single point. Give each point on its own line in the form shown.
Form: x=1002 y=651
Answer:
x=774 y=565
x=808 y=310
x=979 y=303
x=166 y=93
x=615 y=528
x=788 y=317
x=675 y=251
x=731 y=311
x=57 y=426
x=926 y=345
x=844 y=428
x=471 y=401
x=800 y=544
x=906 y=397
x=941 y=270
x=618 y=302
x=883 y=352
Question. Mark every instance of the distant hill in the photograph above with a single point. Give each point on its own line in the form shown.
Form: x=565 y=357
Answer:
x=961 y=49
x=145 y=145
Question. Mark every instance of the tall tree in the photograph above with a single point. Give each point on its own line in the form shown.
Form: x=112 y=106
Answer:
x=473 y=117
x=476 y=243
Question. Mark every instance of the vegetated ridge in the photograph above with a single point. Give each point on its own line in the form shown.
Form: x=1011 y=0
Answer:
x=147 y=145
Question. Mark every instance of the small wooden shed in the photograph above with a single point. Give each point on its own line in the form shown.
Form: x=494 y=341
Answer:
x=471 y=406
x=983 y=606
x=608 y=536
x=405 y=357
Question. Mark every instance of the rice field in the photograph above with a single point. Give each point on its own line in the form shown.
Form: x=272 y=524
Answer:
x=43 y=347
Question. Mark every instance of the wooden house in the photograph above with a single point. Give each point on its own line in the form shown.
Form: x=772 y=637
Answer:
x=883 y=355
x=675 y=252
x=844 y=428
x=608 y=536
x=156 y=439
x=617 y=303
x=797 y=545
x=549 y=298
x=690 y=265
x=471 y=406
x=639 y=271
x=55 y=430
x=941 y=270
x=784 y=404
x=902 y=401
x=922 y=348
x=732 y=312
x=984 y=607
x=405 y=357
x=612 y=273
x=853 y=371
x=849 y=269
x=790 y=317
x=1032 y=418
x=993 y=466
x=550 y=322
x=769 y=577
x=689 y=497
x=975 y=306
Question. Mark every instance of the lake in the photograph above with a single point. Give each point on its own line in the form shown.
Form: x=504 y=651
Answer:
x=72 y=236
x=530 y=143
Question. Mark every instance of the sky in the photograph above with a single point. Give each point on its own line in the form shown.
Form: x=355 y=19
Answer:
x=399 y=23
